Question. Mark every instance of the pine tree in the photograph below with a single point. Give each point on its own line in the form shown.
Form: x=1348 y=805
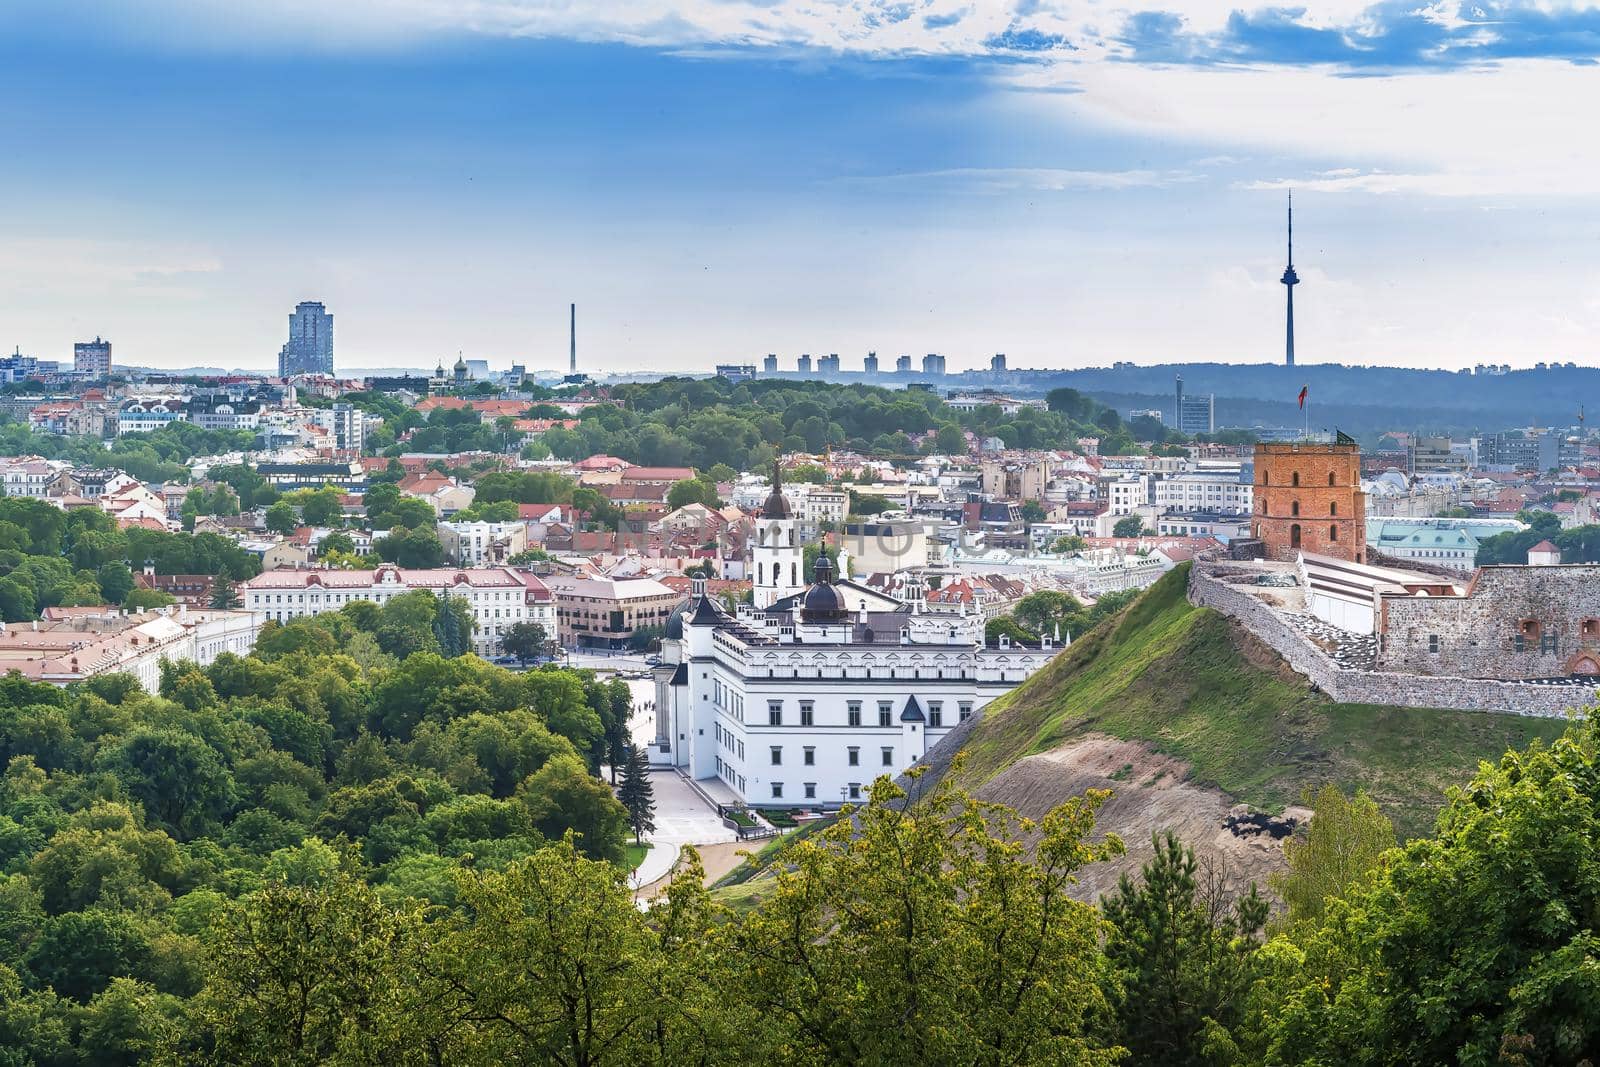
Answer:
x=224 y=595
x=447 y=631
x=636 y=793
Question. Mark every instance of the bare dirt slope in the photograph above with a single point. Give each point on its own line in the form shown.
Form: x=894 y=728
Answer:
x=1151 y=793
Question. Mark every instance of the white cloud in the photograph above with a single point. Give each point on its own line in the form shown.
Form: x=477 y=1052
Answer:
x=1012 y=179
x=1477 y=132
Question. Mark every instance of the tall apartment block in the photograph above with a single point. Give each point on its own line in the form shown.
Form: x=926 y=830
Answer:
x=92 y=359
x=310 y=347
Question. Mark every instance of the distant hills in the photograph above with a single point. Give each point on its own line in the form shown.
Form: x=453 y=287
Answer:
x=1358 y=400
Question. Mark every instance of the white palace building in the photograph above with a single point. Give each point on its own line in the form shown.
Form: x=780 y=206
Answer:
x=805 y=696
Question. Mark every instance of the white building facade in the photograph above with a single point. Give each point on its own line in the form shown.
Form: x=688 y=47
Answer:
x=806 y=699
x=499 y=596
x=1205 y=491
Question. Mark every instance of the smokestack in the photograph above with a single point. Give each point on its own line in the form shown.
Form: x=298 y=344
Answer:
x=573 y=335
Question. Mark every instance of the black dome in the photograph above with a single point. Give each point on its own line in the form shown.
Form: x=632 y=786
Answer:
x=823 y=601
x=673 y=631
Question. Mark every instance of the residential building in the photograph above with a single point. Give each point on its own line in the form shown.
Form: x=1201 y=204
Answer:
x=498 y=596
x=598 y=612
x=347 y=423
x=92 y=359
x=474 y=544
x=148 y=414
x=1022 y=478
x=108 y=641
x=31 y=476
x=1223 y=490
x=287 y=476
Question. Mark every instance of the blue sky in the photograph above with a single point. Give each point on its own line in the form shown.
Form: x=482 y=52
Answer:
x=1067 y=183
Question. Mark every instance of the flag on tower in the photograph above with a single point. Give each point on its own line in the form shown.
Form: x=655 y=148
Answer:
x=1303 y=390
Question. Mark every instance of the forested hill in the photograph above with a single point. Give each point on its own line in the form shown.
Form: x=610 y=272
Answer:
x=1357 y=399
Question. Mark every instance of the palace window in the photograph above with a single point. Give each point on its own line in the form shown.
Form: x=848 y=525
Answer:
x=807 y=713
x=809 y=756
x=885 y=713
x=888 y=757
x=935 y=713
x=777 y=790
x=777 y=755
x=854 y=756
x=811 y=790
x=774 y=713
x=1433 y=642
x=853 y=713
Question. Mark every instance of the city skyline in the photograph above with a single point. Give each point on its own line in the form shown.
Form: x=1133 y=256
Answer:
x=714 y=182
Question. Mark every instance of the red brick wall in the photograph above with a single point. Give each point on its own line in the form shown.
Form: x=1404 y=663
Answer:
x=1293 y=491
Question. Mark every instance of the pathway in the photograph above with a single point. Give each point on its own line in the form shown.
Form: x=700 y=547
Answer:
x=682 y=818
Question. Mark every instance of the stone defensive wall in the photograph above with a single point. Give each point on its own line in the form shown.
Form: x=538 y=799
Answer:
x=1349 y=686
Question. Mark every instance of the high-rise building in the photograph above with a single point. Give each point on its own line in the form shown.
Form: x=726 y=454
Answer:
x=92 y=359
x=310 y=347
x=933 y=363
x=769 y=365
x=1290 y=279
x=828 y=364
x=803 y=364
x=997 y=363
x=1194 y=413
x=902 y=365
x=870 y=364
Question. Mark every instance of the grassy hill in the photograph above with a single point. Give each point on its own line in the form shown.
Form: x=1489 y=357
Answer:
x=1190 y=683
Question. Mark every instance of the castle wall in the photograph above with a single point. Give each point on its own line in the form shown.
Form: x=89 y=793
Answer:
x=1477 y=635
x=1351 y=686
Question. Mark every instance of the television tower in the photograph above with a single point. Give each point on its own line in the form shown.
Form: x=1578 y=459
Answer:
x=572 y=340
x=1290 y=279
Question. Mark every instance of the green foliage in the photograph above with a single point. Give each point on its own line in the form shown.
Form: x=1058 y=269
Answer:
x=523 y=487
x=1006 y=626
x=637 y=795
x=693 y=491
x=418 y=547
x=146 y=599
x=1128 y=526
x=1183 y=958
x=1338 y=852
x=1581 y=544
x=525 y=640
x=1473 y=946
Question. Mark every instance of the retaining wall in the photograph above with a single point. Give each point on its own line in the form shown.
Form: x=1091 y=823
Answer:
x=1377 y=687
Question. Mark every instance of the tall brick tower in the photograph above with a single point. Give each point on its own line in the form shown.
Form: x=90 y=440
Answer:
x=1308 y=498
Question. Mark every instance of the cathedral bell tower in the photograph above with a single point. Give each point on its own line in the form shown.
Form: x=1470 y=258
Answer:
x=777 y=553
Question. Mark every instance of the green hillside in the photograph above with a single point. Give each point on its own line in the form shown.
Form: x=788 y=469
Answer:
x=1189 y=683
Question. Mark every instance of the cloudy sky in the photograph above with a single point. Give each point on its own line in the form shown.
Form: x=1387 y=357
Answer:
x=1067 y=182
